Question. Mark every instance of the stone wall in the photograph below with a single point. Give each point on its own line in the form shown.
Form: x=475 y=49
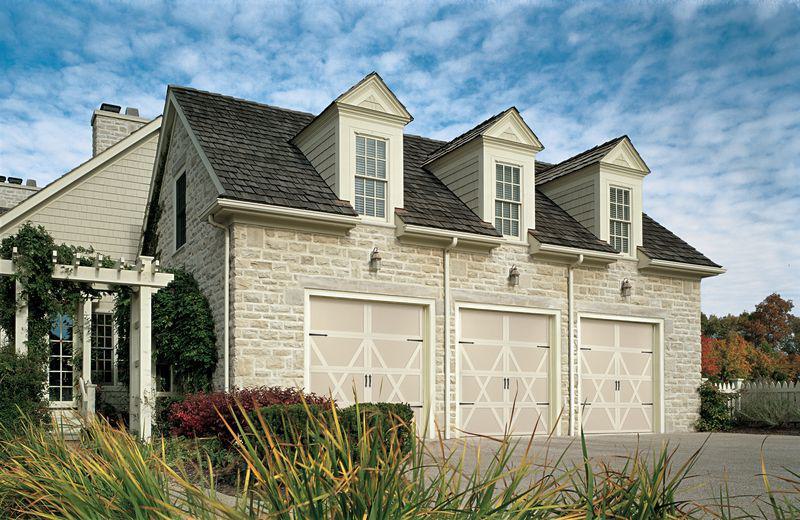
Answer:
x=109 y=128
x=272 y=268
x=204 y=250
x=13 y=194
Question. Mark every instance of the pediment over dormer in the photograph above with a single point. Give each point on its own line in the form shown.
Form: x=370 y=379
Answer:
x=512 y=128
x=626 y=156
x=372 y=93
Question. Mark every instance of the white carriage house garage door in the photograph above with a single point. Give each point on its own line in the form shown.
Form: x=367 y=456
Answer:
x=368 y=351
x=504 y=372
x=617 y=384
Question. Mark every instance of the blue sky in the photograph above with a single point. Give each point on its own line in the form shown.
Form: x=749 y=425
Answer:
x=709 y=93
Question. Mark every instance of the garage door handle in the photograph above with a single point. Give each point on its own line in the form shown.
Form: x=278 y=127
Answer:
x=586 y=348
x=467 y=342
x=467 y=404
x=542 y=346
x=317 y=334
x=415 y=340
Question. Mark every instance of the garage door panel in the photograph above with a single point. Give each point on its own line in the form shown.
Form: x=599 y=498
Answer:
x=635 y=392
x=332 y=315
x=528 y=328
x=635 y=364
x=483 y=420
x=529 y=359
x=598 y=391
x=482 y=388
x=528 y=390
x=344 y=387
x=636 y=419
x=405 y=388
x=597 y=362
x=477 y=325
x=486 y=358
x=636 y=336
x=387 y=354
x=599 y=419
x=597 y=333
x=397 y=319
x=530 y=419
x=337 y=352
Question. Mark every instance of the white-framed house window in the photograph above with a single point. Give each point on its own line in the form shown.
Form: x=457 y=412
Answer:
x=103 y=345
x=508 y=199
x=620 y=219
x=371 y=176
x=60 y=370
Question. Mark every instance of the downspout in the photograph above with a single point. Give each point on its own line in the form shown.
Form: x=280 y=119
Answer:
x=446 y=273
x=227 y=284
x=571 y=342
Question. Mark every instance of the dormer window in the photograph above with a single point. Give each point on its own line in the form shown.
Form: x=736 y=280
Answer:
x=507 y=199
x=620 y=222
x=370 y=176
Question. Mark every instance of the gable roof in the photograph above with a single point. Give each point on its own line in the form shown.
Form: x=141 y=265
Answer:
x=659 y=243
x=63 y=183
x=576 y=162
x=557 y=227
x=248 y=146
x=466 y=137
x=374 y=76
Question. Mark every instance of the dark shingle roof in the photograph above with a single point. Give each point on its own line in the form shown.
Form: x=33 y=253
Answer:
x=248 y=145
x=662 y=244
x=556 y=227
x=3 y=210
x=466 y=136
x=428 y=202
x=577 y=162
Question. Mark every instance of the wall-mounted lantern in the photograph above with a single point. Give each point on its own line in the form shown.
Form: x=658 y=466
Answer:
x=513 y=276
x=625 y=288
x=375 y=260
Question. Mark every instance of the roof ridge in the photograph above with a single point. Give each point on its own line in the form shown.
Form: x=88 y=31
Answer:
x=588 y=150
x=241 y=100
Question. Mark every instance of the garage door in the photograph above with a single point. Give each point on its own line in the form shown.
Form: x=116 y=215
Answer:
x=370 y=351
x=504 y=366
x=616 y=376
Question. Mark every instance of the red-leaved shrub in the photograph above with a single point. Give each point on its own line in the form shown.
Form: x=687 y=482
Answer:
x=201 y=414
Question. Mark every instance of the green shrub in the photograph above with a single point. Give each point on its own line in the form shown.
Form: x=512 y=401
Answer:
x=386 y=419
x=21 y=391
x=161 y=424
x=714 y=412
x=767 y=410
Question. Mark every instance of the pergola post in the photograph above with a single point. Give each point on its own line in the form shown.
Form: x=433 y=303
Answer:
x=21 y=323
x=88 y=388
x=142 y=398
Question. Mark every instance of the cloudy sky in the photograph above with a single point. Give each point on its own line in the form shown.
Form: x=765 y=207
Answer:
x=709 y=93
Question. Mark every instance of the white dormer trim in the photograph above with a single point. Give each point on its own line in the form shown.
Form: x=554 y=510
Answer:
x=511 y=130
x=371 y=94
x=625 y=158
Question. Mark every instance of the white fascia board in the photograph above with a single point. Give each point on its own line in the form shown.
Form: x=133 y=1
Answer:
x=680 y=269
x=434 y=237
x=228 y=210
x=569 y=254
x=77 y=174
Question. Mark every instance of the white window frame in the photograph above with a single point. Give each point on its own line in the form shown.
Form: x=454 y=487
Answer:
x=502 y=201
x=371 y=179
x=69 y=359
x=114 y=371
x=625 y=223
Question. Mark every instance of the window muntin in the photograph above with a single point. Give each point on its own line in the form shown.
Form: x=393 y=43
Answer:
x=60 y=372
x=180 y=211
x=508 y=199
x=370 y=176
x=102 y=349
x=620 y=222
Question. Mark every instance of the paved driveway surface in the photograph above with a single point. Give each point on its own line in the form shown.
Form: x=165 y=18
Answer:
x=735 y=457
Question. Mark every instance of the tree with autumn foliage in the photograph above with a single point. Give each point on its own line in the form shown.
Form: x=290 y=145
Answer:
x=726 y=359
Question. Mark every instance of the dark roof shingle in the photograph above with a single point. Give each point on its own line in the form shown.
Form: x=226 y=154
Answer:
x=576 y=162
x=556 y=227
x=466 y=137
x=660 y=243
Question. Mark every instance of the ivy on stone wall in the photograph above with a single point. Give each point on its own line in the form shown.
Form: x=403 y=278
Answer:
x=183 y=332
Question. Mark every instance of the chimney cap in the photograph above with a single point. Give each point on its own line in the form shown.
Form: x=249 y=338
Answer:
x=108 y=107
x=131 y=111
x=31 y=183
x=15 y=180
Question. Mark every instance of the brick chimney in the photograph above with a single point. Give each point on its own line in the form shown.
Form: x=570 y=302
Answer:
x=110 y=126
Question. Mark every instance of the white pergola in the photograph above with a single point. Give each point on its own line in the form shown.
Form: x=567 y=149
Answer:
x=145 y=278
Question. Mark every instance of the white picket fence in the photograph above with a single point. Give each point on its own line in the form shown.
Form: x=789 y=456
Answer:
x=740 y=391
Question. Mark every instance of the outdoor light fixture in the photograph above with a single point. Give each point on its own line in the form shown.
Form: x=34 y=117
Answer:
x=513 y=276
x=625 y=288
x=375 y=260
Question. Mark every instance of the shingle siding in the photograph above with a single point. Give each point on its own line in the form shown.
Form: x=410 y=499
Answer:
x=577 y=199
x=462 y=176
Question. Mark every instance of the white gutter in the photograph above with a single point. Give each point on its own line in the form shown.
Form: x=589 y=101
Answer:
x=570 y=352
x=447 y=343
x=227 y=284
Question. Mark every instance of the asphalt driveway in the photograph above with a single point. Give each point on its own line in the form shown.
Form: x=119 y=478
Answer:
x=734 y=458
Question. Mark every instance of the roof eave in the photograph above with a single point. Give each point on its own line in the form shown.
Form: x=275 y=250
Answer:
x=565 y=254
x=434 y=237
x=650 y=265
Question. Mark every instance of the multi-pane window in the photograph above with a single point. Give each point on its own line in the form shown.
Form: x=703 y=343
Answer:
x=620 y=224
x=60 y=383
x=370 y=176
x=180 y=211
x=166 y=382
x=508 y=199
x=102 y=349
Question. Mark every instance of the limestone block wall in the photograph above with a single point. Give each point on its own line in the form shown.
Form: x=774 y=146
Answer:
x=203 y=254
x=13 y=194
x=109 y=128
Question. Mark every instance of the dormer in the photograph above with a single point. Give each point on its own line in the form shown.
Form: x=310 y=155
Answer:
x=491 y=168
x=356 y=144
x=602 y=189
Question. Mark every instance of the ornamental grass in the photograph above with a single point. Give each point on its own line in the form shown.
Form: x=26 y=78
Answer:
x=327 y=473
